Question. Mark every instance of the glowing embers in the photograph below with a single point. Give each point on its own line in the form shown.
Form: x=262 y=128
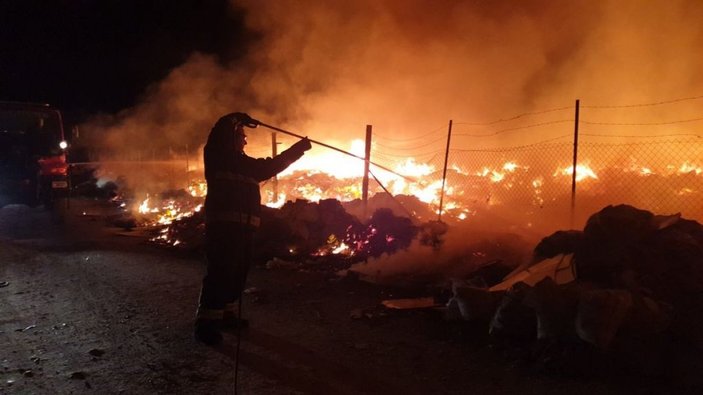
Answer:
x=334 y=246
x=198 y=188
x=144 y=207
x=275 y=202
x=166 y=211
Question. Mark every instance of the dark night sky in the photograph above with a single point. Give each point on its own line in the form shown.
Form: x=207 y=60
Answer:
x=339 y=65
x=99 y=56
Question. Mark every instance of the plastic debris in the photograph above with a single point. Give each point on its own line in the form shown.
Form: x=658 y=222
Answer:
x=560 y=268
x=411 y=303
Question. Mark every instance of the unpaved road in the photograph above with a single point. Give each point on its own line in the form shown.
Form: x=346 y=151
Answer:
x=85 y=308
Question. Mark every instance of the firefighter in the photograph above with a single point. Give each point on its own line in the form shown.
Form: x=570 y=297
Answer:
x=232 y=208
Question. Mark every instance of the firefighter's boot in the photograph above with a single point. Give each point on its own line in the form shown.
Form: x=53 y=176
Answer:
x=231 y=320
x=206 y=331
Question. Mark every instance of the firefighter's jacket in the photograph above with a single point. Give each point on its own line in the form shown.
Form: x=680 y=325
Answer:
x=233 y=194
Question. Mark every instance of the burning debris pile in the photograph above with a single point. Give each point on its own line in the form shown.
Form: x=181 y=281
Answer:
x=302 y=228
x=324 y=228
x=306 y=229
x=627 y=289
x=157 y=212
x=400 y=205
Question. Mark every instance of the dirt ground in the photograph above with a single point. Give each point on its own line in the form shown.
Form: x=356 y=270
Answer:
x=86 y=308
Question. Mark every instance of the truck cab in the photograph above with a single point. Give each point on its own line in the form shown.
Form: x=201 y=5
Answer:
x=33 y=168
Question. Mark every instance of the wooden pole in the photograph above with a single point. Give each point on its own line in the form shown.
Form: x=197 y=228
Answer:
x=575 y=162
x=444 y=173
x=365 y=181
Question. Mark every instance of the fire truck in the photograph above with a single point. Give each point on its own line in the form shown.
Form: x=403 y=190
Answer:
x=33 y=168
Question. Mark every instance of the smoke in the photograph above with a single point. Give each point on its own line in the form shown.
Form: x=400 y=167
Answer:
x=464 y=249
x=409 y=66
x=327 y=69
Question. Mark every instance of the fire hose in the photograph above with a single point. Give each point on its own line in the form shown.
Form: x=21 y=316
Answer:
x=255 y=122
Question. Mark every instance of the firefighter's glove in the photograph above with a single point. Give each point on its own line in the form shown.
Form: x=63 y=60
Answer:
x=302 y=145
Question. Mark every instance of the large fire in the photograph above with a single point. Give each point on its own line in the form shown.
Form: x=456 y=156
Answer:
x=520 y=189
x=466 y=191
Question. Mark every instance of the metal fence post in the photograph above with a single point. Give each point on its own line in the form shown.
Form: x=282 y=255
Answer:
x=365 y=181
x=573 y=173
x=274 y=152
x=444 y=173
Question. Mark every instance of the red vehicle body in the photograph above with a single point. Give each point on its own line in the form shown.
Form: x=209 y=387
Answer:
x=33 y=168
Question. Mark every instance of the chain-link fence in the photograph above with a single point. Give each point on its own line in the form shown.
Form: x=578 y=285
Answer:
x=514 y=171
x=533 y=185
x=530 y=185
x=527 y=185
x=661 y=176
x=645 y=155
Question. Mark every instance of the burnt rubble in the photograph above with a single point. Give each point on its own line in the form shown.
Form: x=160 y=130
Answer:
x=308 y=230
x=301 y=228
x=400 y=205
x=314 y=231
x=633 y=298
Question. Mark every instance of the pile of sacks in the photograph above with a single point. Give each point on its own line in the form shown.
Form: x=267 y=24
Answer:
x=630 y=283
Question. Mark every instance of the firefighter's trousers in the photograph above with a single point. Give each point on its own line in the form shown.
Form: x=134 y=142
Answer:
x=228 y=250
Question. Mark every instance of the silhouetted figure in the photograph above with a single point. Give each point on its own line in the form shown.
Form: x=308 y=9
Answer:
x=232 y=208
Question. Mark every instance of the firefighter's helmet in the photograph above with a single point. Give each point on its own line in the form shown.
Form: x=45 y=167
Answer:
x=239 y=118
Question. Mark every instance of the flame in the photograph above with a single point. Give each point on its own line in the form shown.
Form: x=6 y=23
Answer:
x=334 y=246
x=197 y=188
x=144 y=207
x=412 y=168
x=332 y=176
x=634 y=167
x=645 y=171
x=423 y=186
x=168 y=211
x=582 y=172
x=311 y=192
x=690 y=168
x=341 y=166
x=685 y=191
x=510 y=166
x=459 y=170
x=278 y=203
x=498 y=175
x=341 y=248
